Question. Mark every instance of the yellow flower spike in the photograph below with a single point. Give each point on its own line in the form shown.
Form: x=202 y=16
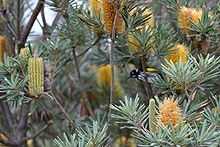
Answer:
x=104 y=77
x=179 y=54
x=170 y=112
x=108 y=18
x=95 y=7
x=187 y=16
x=2 y=48
x=35 y=76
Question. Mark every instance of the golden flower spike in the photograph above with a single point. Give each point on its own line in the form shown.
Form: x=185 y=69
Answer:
x=179 y=54
x=187 y=16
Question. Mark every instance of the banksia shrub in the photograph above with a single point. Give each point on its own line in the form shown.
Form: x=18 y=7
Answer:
x=35 y=76
x=109 y=12
x=179 y=54
x=133 y=42
x=95 y=7
x=104 y=77
x=187 y=16
x=152 y=116
x=2 y=48
x=170 y=112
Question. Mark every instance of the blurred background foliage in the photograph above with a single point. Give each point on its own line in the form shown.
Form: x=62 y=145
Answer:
x=85 y=95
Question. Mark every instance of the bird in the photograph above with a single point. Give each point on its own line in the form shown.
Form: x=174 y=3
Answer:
x=141 y=75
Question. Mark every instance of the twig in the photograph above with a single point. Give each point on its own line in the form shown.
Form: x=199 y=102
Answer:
x=45 y=25
x=60 y=107
x=112 y=64
x=58 y=16
x=9 y=26
x=88 y=48
x=39 y=132
x=84 y=95
x=31 y=21
x=146 y=84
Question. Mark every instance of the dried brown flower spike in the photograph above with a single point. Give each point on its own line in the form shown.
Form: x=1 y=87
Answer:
x=2 y=48
x=109 y=12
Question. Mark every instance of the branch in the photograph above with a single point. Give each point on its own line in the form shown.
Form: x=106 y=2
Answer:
x=24 y=117
x=31 y=21
x=18 y=33
x=84 y=95
x=7 y=114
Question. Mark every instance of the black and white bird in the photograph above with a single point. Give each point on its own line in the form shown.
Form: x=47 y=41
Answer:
x=138 y=74
x=141 y=75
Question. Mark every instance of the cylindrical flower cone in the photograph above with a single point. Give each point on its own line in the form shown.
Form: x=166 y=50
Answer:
x=187 y=16
x=152 y=116
x=104 y=77
x=170 y=112
x=35 y=76
x=109 y=12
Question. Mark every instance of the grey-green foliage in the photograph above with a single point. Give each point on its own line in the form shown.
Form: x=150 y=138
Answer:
x=212 y=115
x=69 y=141
x=164 y=40
x=196 y=72
x=13 y=78
x=92 y=134
x=130 y=112
x=205 y=135
x=184 y=134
